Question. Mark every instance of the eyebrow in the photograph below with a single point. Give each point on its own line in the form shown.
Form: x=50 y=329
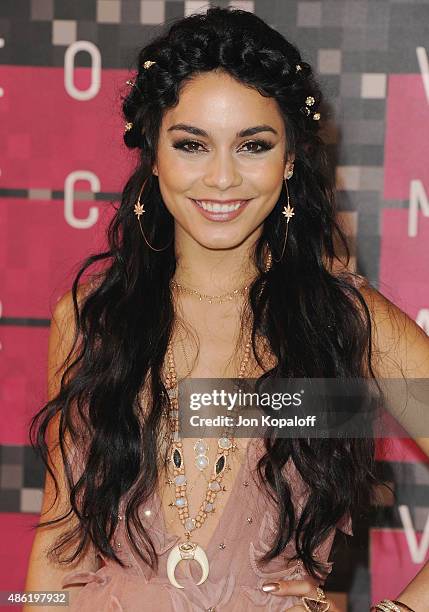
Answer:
x=251 y=131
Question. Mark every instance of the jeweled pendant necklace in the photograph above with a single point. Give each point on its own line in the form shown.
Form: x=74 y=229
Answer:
x=226 y=443
x=201 y=447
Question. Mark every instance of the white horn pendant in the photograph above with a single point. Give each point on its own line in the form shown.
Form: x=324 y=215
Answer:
x=187 y=550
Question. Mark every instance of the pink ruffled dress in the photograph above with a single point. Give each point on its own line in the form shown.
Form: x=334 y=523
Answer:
x=243 y=533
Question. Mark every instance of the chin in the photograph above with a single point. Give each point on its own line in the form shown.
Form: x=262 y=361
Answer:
x=220 y=240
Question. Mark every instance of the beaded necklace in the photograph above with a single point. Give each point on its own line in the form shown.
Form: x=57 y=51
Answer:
x=189 y=549
x=226 y=443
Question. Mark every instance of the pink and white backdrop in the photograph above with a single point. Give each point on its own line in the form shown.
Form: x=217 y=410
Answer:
x=64 y=64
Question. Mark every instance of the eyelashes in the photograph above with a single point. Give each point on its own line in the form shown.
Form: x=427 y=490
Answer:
x=183 y=144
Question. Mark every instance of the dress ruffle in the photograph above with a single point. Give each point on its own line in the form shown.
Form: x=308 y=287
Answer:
x=236 y=574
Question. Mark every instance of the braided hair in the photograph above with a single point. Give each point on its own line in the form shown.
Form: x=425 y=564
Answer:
x=316 y=323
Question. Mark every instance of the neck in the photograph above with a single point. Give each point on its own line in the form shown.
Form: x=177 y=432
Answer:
x=213 y=271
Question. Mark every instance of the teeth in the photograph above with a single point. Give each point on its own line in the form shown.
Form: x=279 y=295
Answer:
x=216 y=207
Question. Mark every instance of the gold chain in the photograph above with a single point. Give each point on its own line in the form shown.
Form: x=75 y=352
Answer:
x=188 y=367
x=179 y=478
x=219 y=299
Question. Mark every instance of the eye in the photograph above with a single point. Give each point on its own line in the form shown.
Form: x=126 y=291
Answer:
x=264 y=144
x=183 y=144
x=190 y=146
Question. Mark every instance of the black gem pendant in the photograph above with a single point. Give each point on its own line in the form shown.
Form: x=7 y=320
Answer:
x=220 y=464
x=177 y=458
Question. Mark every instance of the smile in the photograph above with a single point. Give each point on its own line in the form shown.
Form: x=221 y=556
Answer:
x=216 y=211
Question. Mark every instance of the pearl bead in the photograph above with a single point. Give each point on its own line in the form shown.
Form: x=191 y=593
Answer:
x=190 y=524
x=200 y=447
x=225 y=443
x=201 y=462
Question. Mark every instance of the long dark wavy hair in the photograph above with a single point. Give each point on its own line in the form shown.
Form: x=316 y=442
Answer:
x=316 y=322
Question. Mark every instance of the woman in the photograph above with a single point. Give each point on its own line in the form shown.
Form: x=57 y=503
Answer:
x=220 y=264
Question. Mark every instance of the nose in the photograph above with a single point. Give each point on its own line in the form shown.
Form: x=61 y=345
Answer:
x=222 y=172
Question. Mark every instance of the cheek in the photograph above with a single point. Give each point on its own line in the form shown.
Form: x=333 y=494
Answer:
x=270 y=192
x=173 y=188
x=270 y=186
x=172 y=180
x=178 y=174
x=270 y=177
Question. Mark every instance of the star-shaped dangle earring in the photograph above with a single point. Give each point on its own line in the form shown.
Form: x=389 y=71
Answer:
x=288 y=213
x=138 y=211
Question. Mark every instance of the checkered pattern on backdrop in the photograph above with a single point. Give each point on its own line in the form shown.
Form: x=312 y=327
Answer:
x=63 y=68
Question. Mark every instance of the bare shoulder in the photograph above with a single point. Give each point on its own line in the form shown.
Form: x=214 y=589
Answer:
x=64 y=308
x=400 y=349
x=62 y=336
x=64 y=311
x=400 y=346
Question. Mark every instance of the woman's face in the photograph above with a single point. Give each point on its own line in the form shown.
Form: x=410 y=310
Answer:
x=219 y=184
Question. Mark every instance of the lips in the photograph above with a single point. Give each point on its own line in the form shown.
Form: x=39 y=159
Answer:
x=220 y=211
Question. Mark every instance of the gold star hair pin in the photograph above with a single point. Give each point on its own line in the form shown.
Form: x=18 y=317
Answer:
x=309 y=101
x=129 y=125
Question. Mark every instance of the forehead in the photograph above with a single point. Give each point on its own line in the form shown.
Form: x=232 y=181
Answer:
x=216 y=102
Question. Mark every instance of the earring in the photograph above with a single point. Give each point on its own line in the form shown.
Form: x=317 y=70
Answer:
x=139 y=210
x=288 y=213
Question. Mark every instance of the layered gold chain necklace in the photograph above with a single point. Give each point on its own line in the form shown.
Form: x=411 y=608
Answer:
x=189 y=549
x=226 y=443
